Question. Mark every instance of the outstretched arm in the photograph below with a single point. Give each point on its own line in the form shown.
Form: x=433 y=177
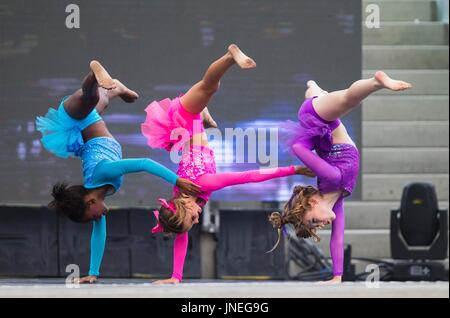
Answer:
x=337 y=243
x=337 y=238
x=98 y=240
x=321 y=168
x=109 y=170
x=180 y=247
x=214 y=182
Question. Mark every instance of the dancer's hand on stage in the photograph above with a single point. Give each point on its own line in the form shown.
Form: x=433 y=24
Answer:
x=304 y=171
x=335 y=281
x=85 y=280
x=188 y=186
x=166 y=281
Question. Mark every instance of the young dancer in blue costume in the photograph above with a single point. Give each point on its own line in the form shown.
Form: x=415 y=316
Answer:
x=76 y=129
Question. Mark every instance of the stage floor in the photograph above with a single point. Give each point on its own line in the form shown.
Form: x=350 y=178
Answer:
x=141 y=288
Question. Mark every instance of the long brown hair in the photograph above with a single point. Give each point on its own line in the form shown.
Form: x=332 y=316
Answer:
x=294 y=212
x=173 y=222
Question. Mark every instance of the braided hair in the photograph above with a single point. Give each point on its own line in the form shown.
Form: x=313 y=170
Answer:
x=69 y=201
x=294 y=211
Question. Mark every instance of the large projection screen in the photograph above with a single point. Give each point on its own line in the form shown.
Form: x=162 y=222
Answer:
x=161 y=48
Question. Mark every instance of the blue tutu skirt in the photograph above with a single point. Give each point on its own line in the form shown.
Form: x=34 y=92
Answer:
x=61 y=134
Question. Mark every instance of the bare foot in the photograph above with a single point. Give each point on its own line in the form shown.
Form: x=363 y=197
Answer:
x=385 y=81
x=86 y=280
x=103 y=78
x=124 y=92
x=311 y=84
x=208 y=121
x=336 y=280
x=240 y=58
x=166 y=281
x=314 y=89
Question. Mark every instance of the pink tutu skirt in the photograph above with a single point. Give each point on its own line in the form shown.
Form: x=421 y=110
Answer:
x=169 y=125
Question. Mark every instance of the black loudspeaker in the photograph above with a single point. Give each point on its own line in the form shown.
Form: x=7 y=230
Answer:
x=244 y=237
x=28 y=242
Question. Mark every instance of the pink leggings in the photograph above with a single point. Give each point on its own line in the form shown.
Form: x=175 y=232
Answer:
x=213 y=182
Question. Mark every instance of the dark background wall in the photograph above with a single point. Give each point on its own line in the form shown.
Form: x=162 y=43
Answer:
x=244 y=238
x=35 y=242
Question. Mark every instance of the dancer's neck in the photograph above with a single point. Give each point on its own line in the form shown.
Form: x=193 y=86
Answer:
x=330 y=199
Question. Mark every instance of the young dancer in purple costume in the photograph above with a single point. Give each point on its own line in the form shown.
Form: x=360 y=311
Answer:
x=336 y=162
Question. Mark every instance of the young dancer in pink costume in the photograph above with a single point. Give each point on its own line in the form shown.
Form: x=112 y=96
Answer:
x=181 y=116
x=336 y=162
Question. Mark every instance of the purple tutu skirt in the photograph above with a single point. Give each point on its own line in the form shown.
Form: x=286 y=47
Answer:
x=311 y=130
x=314 y=132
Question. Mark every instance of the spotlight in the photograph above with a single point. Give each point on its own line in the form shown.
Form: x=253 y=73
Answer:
x=418 y=235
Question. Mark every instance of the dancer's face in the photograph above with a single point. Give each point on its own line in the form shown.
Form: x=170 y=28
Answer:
x=96 y=208
x=320 y=214
x=193 y=211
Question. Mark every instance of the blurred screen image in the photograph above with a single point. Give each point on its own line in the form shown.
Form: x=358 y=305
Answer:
x=160 y=49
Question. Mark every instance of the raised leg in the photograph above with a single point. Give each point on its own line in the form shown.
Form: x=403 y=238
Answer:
x=198 y=97
x=95 y=95
x=80 y=104
x=336 y=104
x=214 y=182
